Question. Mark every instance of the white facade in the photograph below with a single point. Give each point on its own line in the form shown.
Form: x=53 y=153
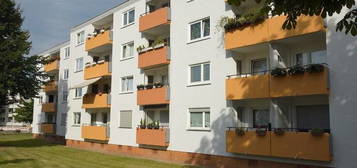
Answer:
x=209 y=95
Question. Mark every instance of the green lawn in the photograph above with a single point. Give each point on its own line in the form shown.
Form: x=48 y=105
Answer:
x=21 y=151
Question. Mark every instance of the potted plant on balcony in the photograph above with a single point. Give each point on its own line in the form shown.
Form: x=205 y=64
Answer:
x=295 y=70
x=278 y=72
x=140 y=49
x=158 y=85
x=149 y=86
x=261 y=131
x=140 y=87
x=150 y=126
x=279 y=131
x=142 y=124
x=317 y=131
x=156 y=125
x=314 y=68
x=240 y=131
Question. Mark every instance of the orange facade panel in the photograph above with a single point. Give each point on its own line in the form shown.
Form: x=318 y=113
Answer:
x=154 y=57
x=48 y=128
x=92 y=101
x=300 y=85
x=97 y=70
x=99 y=40
x=50 y=86
x=154 y=19
x=52 y=66
x=301 y=145
x=153 y=137
x=95 y=133
x=249 y=143
x=49 y=107
x=270 y=30
x=153 y=96
x=247 y=87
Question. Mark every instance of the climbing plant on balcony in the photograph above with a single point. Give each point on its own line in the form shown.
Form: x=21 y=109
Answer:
x=249 y=18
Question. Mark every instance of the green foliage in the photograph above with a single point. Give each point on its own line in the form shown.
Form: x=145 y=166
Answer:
x=294 y=8
x=25 y=111
x=250 y=18
x=19 y=75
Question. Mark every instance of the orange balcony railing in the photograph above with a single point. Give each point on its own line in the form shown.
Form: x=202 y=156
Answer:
x=50 y=86
x=52 y=66
x=97 y=70
x=92 y=101
x=270 y=30
x=100 y=133
x=153 y=96
x=49 y=107
x=154 y=57
x=152 y=137
x=48 y=128
x=100 y=40
x=154 y=19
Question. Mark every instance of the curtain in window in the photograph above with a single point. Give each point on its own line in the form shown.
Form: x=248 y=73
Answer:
x=125 y=18
x=207 y=119
x=131 y=16
x=206 y=72
x=196 y=73
x=196 y=119
x=196 y=31
x=206 y=27
x=123 y=88
x=130 y=84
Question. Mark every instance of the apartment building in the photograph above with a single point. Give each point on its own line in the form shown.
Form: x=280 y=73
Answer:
x=7 y=117
x=160 y=80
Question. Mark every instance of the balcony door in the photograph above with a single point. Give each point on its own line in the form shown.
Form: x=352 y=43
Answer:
x=315 y=116
x=259 y=66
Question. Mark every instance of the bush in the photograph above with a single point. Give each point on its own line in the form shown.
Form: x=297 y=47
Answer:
x=250 y=18
x=277 y=72
x=295 y=70
x=314 y=68
x=240 y=131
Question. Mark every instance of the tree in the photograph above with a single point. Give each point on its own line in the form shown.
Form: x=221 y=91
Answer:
x=20 y=75
x=24 y=112
x=294 y=8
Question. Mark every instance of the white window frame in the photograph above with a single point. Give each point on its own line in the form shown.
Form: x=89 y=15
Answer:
x=122 y=50
x=202 y=37
x=126 y=84
x=201 y=82
x=203 y=110
x=65 y=74
x=76 y=91
x=80 y=37
x=67 y=52
x=77 y=64
x=65 y=95
x=74 y=119
x=127 y=17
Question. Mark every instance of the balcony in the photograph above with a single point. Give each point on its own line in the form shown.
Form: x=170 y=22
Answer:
x=50 y=86
x=153 y=137
x=160 y=17
x=97 y=70
x=154 y=57
x=270 y=30
x=267 y=86
x=153 y=96
x=49 y=107
x=293 y=145
x=48 y=128
x=100 y=133
x=100 y=41
x=93 y=101
x=52 y=66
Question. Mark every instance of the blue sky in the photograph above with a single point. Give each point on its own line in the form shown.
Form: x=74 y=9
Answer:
x=49 y=21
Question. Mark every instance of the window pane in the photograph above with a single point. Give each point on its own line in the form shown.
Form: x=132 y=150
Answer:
x=207 y=119
x=259 y=66
x=125 y=17
x=206 y=72
x=196 y=73
x=196 y=119
x=124 y=51
x=123 y=84
x=318 y=57
x=299 y=59
x=130 y=84
x=196 y=31
x=206 y=27
x=131 y=49
x=261 y=118
x=131 y=16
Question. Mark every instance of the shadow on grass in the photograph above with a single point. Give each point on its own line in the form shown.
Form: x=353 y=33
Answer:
x=26 y=143
x=14 y=161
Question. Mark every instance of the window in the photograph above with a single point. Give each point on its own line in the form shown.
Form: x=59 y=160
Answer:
x=93 y=118
x=77 y=118
x=315 y=57
x=40 y=100
x=128 y=50
x=125 y=119
x=259 y=66
x=200 y=29
x=80 y=37
x=127 y=84
x=78 y=93
x=65 y=74
x=199 y=118
x=261 y=118
x=65 y=96
x=312 y=116
x=200 y=73
x=66 y=53
x=79 y=64
x=63 y=119
x=129 y=17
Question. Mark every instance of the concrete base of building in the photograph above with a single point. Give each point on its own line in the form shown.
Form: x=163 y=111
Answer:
x=51 y=138
x=180 y=157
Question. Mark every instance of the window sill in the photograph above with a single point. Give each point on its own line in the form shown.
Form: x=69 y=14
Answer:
x=197 y=40
x=78 y=71
x=125 y=127
x=124 y=59
x=124 y=26
x=199 y=129
x=77 y=45
x=199 y=84
x=76 y=125
x=77 y=98
x=123 y=93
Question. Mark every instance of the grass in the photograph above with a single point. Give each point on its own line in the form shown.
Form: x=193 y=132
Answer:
x=21 y=151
